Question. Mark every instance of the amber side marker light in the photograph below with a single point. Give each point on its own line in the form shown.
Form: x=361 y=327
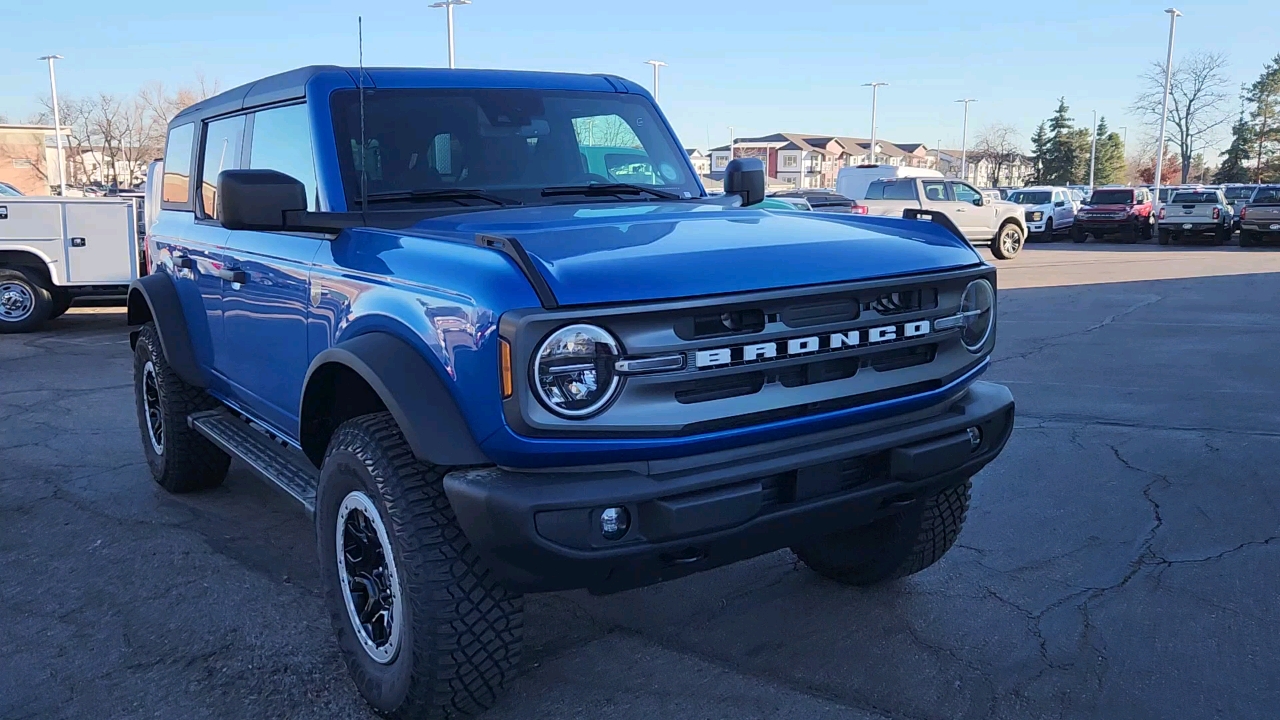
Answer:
x=504 y=367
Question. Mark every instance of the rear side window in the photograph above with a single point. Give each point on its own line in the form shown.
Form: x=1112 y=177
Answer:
x=894 y=191
x=177 y=166
x=222 y=145
x=282 y=142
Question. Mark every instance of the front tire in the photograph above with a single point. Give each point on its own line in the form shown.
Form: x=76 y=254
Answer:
x=181 y=459
x=1078 y=234
x=25 y=302
x=1008 y=241
x=892 y=547
x=443 y=635
x=61 y=303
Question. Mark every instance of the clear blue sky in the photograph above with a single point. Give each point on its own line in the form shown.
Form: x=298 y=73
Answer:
x=759 y=66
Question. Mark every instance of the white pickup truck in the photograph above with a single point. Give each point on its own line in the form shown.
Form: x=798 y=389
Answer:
x=978 y=218
x=54 y=249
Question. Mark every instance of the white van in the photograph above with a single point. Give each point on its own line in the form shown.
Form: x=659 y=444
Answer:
x=852 y=182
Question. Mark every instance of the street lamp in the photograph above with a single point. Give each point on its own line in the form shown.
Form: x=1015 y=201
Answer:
x=448 y=7
x=1164 y=104
x=1093 y=150
x=656 y=64
x=964 y=141
x=874 y=87
x=57 y=125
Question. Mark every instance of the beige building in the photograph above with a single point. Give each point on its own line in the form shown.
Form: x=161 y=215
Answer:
x=29 y=158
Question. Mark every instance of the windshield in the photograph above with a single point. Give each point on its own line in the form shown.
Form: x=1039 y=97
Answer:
x=1194 y=197
x=511 y=144
x=1111 y=197
x=1239 y=192
x=1030 y=198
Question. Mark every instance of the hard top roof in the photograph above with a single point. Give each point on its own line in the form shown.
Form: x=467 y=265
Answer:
x=292 y=85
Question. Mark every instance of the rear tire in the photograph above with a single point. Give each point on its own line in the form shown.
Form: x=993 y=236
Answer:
x=1247 y=239
x=1222 y=236
x=892 y=547
x=443 y=635
x=1008 y=241
x=1165 y=237
x=25 y=301
x=181 y=459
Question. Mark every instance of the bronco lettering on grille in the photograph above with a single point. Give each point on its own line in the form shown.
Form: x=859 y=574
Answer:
x=791 y=347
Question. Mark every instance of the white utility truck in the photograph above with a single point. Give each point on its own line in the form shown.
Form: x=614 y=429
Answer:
x=54 y=249
x=852 y=182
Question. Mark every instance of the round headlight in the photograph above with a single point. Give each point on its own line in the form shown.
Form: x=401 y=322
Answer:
x=573 y=372
x=978 y=309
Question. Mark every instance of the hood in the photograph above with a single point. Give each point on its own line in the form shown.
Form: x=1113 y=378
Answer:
x=618 y=253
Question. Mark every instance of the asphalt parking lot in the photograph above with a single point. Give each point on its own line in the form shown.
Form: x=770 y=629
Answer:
x=1121 y=559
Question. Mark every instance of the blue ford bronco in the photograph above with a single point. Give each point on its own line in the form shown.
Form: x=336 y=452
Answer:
x=490 y=330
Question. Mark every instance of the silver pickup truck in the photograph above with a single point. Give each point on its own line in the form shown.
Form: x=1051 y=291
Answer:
x=978 y=218
x=1194 y=213
x=1260 y=218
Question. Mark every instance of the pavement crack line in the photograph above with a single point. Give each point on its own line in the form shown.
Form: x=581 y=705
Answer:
x=1052 y=341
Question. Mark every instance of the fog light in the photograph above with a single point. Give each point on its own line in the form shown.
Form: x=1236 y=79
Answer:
x=614 y=523
x=975 y=438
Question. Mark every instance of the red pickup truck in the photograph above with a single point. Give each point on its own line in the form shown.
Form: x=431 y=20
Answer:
x=1115 y=211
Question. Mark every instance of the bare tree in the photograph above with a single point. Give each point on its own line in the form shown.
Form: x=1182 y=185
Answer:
x=1200 y=98
x=999 y=146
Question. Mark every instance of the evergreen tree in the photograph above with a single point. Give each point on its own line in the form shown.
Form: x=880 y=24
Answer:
x=1110 y=166
x=1039 y=146
x=1235 y=166
x=1265 y=96
x=1061 y=155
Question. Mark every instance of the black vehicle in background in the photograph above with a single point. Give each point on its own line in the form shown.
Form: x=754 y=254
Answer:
x=825 y=201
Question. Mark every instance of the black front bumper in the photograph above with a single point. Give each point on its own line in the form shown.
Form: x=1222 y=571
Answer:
x=540 y=529
x=1100 y=228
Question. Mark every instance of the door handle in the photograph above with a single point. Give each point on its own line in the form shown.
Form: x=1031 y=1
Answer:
x=185 y=263
x=235 y=276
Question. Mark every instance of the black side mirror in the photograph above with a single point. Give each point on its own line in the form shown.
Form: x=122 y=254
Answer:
x=1060 y=203
x=744 y=177
x=979 y=201
x=258 y=199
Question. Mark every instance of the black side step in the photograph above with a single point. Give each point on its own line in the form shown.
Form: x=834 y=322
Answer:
x=287 y=470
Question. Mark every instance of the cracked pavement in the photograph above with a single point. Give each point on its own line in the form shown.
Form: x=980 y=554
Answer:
x=1120 y=560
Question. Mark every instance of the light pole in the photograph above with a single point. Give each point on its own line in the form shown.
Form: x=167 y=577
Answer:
x=1164 y=104
x=874 y=87
x=448 y=8
x=1093 y=150
x=964 y=141
x=57 y=125
x=656 y=64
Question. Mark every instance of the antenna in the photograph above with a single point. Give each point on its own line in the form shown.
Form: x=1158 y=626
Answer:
x=364 y=173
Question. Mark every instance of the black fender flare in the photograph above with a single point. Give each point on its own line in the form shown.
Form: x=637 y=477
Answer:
x=154 y=298
x=411 y=391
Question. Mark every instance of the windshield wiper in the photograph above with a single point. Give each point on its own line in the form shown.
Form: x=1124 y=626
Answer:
x=608 y=189
x=448 y=194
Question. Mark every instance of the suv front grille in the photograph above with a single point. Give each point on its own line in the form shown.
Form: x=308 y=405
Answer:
x=817 y=408
x=760 y=357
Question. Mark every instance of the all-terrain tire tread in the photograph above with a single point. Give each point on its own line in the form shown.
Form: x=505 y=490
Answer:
x=190 y=461
x=468 y=629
